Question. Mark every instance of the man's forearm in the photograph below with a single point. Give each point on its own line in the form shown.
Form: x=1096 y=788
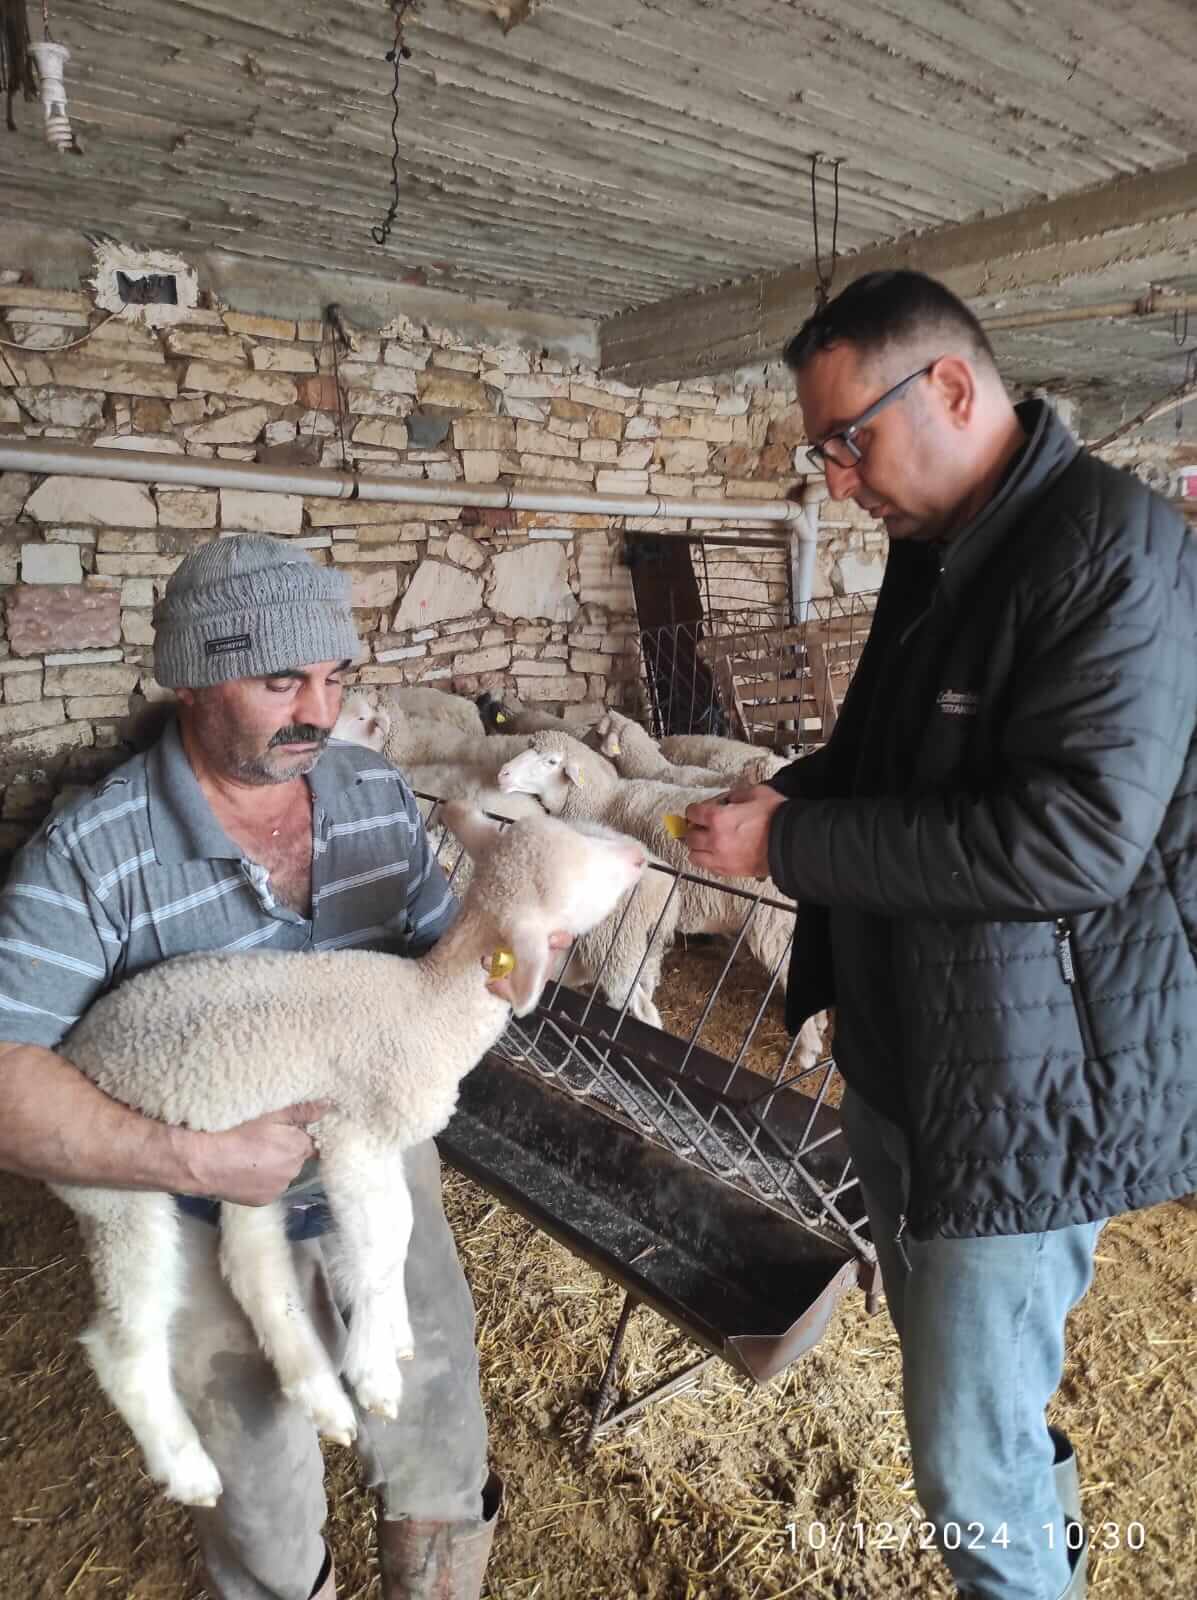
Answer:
x=55 y=1125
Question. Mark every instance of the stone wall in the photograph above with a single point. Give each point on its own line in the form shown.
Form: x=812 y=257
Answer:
x=532 y=603
x=539 y=604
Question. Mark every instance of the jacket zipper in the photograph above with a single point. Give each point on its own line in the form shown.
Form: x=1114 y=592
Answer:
x=1069 y=973
x=900 y=1243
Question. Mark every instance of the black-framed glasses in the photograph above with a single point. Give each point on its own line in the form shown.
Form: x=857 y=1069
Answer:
x=840 y=447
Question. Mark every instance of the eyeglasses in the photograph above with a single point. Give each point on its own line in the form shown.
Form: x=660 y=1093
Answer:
x=840 y=447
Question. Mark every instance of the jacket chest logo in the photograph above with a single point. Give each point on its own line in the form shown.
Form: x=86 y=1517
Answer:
x=958 y=702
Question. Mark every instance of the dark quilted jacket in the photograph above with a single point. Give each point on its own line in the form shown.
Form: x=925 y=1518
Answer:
x=1026 y=848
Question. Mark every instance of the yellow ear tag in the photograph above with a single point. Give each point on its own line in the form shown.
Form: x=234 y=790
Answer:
x=578 y=779
x=676 y=827
x=501 y=963
x=499 y=717
x=615 y=750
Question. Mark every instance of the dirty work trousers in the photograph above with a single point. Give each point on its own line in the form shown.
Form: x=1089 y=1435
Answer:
x=981 y=1325
x=262 y=1539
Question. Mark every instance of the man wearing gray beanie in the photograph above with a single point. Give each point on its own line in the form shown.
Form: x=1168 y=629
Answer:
x=244 y=828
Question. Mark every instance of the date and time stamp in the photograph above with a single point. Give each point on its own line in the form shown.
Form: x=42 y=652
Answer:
x=842 y=1537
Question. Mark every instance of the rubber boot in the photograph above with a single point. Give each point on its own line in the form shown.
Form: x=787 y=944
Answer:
x=1068 y=1493
x=325 y=1584
x=425 y=1560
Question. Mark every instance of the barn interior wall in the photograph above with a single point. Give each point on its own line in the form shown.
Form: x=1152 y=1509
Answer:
x=534 y=603
x=538 y=604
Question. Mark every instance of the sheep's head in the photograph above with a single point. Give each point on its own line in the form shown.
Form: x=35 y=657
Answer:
x=360 y=723
x=495 y=715
x=537 y=877
x=553 y=766
x=616 y=734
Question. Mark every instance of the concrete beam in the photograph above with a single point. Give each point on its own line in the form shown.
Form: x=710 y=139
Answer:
x=1129 y=220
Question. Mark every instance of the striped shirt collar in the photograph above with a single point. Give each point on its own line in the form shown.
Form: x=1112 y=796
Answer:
x=183 y=826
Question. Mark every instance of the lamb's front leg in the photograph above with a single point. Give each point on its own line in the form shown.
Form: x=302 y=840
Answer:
x=371 y=1208
x=258 y=1267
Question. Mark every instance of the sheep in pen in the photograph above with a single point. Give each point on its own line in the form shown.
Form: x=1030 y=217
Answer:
x=653 y=1115
x=699 y=1164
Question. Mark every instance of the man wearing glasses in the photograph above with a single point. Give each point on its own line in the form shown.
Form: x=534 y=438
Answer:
x=995 y=859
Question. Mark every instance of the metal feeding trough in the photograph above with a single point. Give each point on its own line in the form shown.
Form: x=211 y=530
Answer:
x=722 y=1199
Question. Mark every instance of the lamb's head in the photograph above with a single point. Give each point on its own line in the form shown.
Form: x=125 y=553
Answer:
x=536 y=877
x=495 y=715
x=555 y=764
x=619 y=735
x=362 y=723
x=607 y=732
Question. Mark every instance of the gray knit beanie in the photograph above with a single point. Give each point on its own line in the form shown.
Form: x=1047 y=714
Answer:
x=247 y=606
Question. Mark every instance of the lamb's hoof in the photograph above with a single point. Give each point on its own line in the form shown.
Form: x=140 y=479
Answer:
x=192 y=1478
x=379 y=1393
x=323 y=1401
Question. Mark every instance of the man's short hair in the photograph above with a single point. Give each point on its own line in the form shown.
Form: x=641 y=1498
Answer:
x=888 y=308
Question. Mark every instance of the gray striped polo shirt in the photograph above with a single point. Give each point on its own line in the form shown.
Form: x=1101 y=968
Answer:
x=139 y=870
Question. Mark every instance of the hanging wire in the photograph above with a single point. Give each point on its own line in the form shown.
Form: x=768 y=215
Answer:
x=1180 y=330
x=824 y=279
x=332 y=332
x=396 y=55
x=1188 y=386
x=336 y=345
x=46 y=34
x=58 y=349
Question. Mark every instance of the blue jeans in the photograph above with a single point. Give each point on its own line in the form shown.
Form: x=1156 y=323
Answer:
x=981 y=1325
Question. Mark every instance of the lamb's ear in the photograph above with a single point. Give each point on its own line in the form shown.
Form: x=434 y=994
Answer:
x=474 y=832
x=523 y=985
x=575 y=773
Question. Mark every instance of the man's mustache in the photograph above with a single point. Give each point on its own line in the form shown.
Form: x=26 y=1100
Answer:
x=300 y=733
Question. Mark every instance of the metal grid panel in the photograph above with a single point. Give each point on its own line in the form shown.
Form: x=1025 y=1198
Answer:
x=779 y=686
x=763 y=1130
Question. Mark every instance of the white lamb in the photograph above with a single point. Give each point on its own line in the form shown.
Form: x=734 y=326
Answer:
x=412 y=740
x=362 y=722
x=623 y=955
x=570 y=783
x=636 y=754
x=436 y=705
x=722 y=755
x=211 y=1041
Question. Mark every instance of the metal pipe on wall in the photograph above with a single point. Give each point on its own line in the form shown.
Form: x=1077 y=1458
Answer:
x=18 y=454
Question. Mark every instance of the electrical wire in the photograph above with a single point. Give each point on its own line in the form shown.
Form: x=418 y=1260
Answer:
x=1152 y=413
x=396 y=55
x=824 y=279
x=57 y=350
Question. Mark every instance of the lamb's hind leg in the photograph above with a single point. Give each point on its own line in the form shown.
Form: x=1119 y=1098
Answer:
x=133 y=1243
x=371 y=1206
x=256 y=1261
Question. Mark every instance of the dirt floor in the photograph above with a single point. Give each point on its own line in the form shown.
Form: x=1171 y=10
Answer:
x=724 y=1493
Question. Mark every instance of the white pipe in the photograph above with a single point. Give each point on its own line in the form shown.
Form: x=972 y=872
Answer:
x=808 y=544
x=140 y=466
